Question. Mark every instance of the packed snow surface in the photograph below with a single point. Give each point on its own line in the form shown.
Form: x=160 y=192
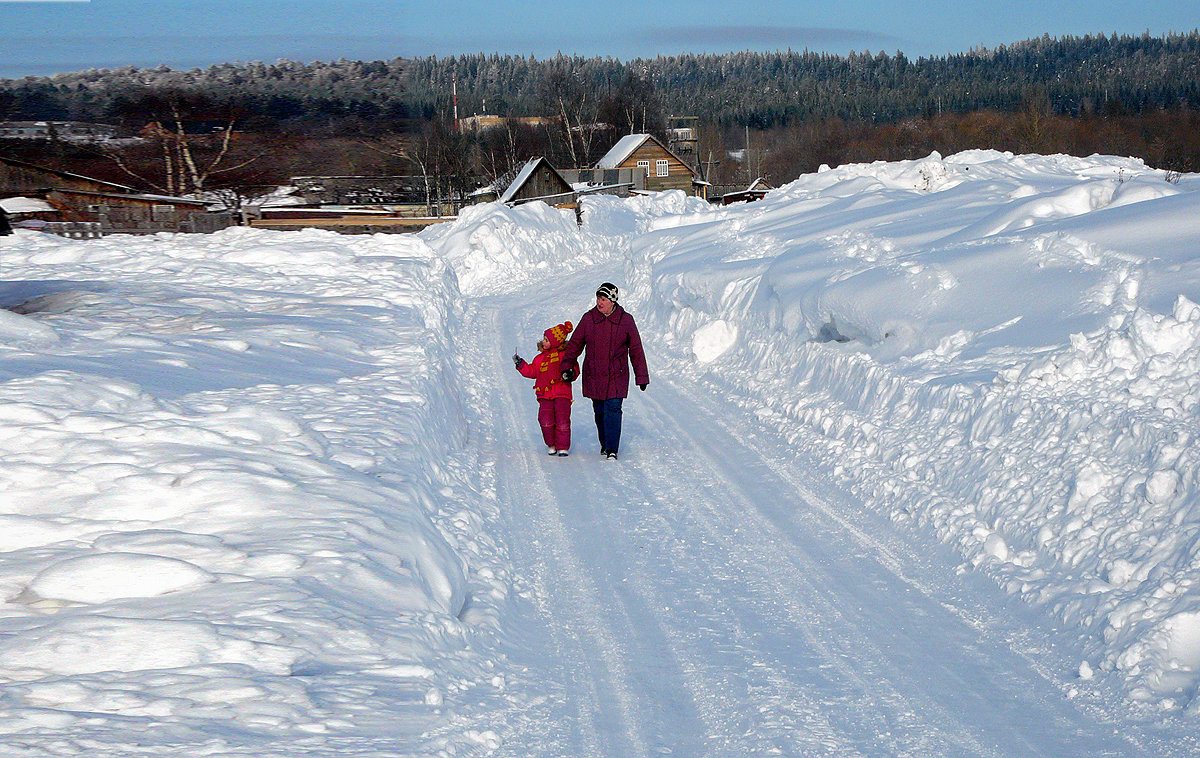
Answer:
x=916 y=474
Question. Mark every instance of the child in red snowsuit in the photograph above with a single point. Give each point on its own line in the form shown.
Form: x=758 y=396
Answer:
x=549 y=370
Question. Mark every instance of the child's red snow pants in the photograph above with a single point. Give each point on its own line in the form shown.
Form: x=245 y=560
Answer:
x=554 y=416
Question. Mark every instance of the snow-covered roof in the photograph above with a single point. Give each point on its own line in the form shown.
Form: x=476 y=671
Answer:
x=522 y=177
x=625 y=147
x=133 y=196
x=621 y=151
x=24 y=205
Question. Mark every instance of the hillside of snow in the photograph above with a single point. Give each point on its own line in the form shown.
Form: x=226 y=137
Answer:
x=1005 y=349
x=205 y=525
x=257 y=499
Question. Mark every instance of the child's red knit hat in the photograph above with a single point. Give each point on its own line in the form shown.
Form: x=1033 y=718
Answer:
x=556 y=335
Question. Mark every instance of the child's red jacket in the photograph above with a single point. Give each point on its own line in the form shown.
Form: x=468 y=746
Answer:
x=546 y=370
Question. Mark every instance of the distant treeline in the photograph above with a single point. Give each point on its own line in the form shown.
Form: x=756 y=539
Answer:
x=1069 y=76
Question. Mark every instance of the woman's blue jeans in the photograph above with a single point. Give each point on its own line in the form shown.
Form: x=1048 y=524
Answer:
x=608 y=422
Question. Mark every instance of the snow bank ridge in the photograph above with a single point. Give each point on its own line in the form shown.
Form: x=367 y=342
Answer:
x=981 y=342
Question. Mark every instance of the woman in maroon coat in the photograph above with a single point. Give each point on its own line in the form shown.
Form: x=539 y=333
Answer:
x=612 y=343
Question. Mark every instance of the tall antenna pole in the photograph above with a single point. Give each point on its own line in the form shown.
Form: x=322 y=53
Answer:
x=748 y=169
x=454 y=89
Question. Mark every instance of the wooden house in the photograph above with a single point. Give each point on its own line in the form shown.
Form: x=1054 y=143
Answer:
x=664 y=169
x=538 y=180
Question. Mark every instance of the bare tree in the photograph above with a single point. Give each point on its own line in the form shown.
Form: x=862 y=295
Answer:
x=188 y=159
x=1032 y=125
x=500 y=149
x=576 y=107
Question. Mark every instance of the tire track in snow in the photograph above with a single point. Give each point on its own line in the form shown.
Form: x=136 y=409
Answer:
x=709 y=604
x=715 y=690
x=577 y=626
x=665 y=686
x=963 y=672
x=778 y=588
x=717 y=651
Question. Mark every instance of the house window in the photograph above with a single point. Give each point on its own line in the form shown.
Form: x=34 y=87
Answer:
x=663 y=170
x=97 y=209
x=162 y=212
x=645 y=165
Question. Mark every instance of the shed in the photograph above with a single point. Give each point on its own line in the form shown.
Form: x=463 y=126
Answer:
x=538 y=180
x=106 y=207
x=129 y=212
x=756 y=191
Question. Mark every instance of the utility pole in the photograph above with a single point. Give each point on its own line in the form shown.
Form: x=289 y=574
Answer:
x=454 y=90
x=708 y=164
x=747 y=157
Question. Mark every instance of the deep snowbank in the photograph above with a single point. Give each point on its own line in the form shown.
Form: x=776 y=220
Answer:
x=221 y=485
x=235 y=496
x=1005 y=348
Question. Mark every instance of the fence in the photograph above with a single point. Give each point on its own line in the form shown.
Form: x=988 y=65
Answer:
x=79 y=230
x=195 y=223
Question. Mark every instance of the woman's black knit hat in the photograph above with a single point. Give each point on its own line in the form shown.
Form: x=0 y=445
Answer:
x=608 y=290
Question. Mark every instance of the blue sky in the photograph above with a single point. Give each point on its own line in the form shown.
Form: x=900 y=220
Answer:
x=39 y=37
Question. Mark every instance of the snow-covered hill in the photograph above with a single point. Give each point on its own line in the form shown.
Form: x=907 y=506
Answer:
x=1005 y=349
x=280 y=493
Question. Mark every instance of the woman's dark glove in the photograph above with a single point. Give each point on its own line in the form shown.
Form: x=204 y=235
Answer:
x=569 y=373
x=644 y=385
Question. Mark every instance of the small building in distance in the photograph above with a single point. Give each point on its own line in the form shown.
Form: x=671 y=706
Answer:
x=360 y=190
x=71 y=131
x=756 y=191
x=485 y=122
x=538 y=180
x=135 y=213
x=664 y=169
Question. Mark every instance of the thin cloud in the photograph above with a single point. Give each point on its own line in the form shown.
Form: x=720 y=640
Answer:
x=741 y=37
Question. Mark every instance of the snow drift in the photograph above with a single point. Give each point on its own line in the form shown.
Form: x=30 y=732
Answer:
x=1004 y=349
x=203 y=519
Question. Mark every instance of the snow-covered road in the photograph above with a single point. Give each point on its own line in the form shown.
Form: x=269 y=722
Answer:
x=711 y=594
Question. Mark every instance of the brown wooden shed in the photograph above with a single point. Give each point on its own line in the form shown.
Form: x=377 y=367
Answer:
x=116 y=208
x=538 y=180
x=756 y=191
